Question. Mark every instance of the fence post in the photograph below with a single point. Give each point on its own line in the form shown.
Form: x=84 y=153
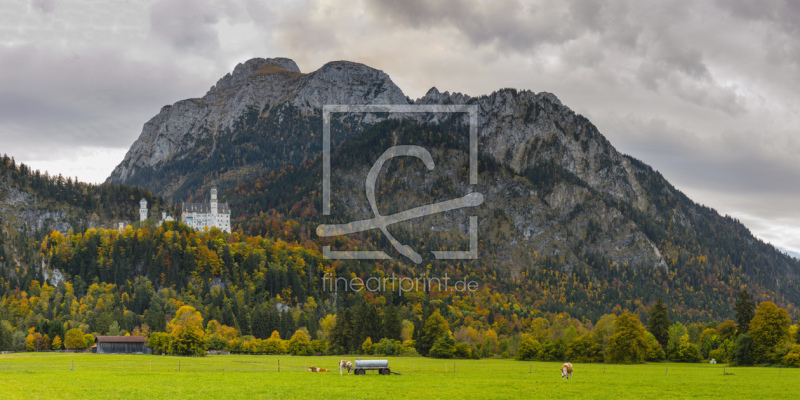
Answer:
x=665 y=372
x=530 y=368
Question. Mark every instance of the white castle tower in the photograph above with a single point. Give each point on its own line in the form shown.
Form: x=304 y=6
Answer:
x=143 y=210
x=214 y=203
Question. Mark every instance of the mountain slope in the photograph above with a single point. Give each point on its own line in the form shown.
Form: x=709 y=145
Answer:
x=559 y=198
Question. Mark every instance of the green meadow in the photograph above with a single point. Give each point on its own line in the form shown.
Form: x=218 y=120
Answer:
x=85 y=376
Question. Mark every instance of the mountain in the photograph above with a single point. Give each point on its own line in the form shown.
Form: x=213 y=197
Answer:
x=257 y=119
x=560 y=200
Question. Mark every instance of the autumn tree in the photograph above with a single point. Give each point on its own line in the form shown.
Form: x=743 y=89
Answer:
x=686 y=351
x=366 y=347
x=628 y=343
x=659 y=323
x=57 y=344
x=745 y=310
x=769 y=328
x=726 y=329
x=435 y=326
x=74 y=339
x=300 y=345
x=187 y=330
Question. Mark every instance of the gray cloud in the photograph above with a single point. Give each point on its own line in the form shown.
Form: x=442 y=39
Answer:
x=188 y=25
x=54 y=99
x=44 y=6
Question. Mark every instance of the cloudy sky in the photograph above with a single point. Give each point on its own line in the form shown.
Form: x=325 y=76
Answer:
x=707 y=92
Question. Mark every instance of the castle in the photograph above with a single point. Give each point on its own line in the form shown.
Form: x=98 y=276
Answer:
x=201 y=215
x=198 y=215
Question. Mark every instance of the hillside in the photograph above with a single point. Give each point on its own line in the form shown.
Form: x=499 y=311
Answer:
x=33 y=204
x=560 y=200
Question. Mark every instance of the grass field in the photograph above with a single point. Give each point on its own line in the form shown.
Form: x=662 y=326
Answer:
x=93 y=376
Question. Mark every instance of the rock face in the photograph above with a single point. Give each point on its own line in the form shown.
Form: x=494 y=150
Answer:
x=23 y=212
x=258 y=84
x=561 y=189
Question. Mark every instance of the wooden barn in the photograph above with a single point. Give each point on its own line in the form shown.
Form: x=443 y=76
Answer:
x=122 y=345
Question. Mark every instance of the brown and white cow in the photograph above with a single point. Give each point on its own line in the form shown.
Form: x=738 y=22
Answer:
x=315 y=369
x=344 y=364
x=566 y=371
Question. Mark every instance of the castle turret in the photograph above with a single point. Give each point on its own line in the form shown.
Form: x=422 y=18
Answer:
x=143 y=210
x=214 y=203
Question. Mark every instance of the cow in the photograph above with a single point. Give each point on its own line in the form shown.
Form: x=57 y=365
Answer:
x=315 y=369
x=344 y=364
x=566 y=371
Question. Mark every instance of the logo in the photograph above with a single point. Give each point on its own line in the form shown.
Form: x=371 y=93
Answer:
x=383 y=221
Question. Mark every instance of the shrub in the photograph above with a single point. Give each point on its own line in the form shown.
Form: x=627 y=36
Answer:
x=553 y=351
x=388 y=347
x=584 y=349
x=444 y=347
x=159 y=342
x=366 y=347
x=529 y=350
x=319 y=346
x=654 y=350
x=688 y=352
x=792 y=359
x=216 y=342
x=462 y=350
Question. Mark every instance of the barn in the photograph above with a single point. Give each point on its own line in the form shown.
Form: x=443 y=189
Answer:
x=122 y=345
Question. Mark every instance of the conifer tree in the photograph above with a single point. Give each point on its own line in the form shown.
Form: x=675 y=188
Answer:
x=745 y=311
x=659 y=323
x=392 y=325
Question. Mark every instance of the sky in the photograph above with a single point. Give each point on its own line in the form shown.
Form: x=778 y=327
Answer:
x=706 y=92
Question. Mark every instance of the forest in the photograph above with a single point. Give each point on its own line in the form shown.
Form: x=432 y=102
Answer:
x=189 y=291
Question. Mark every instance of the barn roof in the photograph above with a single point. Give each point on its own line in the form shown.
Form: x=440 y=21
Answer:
x=121 y=339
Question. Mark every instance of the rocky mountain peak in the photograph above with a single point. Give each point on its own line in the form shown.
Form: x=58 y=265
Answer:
x=433 y=96
x=250 y=67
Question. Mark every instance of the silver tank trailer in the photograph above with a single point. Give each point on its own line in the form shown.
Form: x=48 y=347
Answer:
x=382 y=366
